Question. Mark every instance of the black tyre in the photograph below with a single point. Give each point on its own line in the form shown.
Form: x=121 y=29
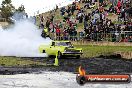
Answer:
x=44 y=51
x=78 y=57
x=59 y=55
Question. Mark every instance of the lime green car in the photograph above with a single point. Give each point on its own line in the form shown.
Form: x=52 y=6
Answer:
x=61 y=48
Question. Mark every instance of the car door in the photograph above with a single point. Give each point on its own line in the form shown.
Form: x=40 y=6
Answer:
x=53 y=49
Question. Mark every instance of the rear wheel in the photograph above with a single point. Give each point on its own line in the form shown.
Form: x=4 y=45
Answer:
x=44 y=51
x=78 y=56
x=59 y=55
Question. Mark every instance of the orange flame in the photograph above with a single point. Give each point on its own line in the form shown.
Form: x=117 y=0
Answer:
x=82 y=71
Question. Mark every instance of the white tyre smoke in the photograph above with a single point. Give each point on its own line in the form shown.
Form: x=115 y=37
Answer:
x=22 y=40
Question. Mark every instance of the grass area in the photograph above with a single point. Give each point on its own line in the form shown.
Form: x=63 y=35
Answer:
x=94 y=51
x=88 y=52
x=15 y=61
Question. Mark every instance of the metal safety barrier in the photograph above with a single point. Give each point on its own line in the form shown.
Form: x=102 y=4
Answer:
x=125 y=36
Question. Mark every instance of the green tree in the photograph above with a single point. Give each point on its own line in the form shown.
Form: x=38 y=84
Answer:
x=21 y=9
x=7 y=9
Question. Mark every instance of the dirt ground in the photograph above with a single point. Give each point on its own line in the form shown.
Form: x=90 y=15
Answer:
x=101 y=65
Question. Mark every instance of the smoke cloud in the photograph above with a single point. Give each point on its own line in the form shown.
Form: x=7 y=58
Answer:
x=22 y=40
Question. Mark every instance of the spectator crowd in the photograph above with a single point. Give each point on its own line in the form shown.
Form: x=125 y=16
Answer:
x=96 y=25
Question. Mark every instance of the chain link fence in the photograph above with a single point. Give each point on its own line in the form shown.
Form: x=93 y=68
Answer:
x=125 y=36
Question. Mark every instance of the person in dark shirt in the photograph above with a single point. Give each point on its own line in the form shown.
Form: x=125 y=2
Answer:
x=63 y=11
x=81 y=19
x=86 y=17
x=47 y=23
